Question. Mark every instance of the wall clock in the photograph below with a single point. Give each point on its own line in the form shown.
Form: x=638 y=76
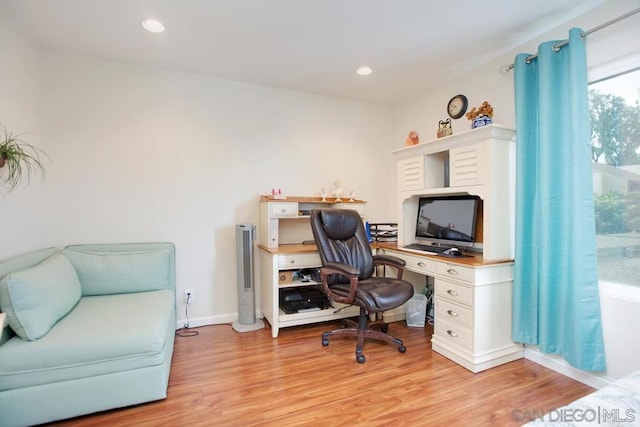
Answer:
x=457 y=106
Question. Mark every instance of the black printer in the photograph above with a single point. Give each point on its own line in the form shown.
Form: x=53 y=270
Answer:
x=302 y=298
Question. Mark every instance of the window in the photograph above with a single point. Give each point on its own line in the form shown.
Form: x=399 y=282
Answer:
x=615 y=141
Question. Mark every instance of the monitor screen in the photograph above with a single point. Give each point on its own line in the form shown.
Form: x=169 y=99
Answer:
x=448 y=220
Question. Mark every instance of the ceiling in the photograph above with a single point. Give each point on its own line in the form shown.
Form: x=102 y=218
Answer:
x=304 y=45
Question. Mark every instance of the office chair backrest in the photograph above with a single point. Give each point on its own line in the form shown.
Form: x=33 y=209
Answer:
x=341 y=237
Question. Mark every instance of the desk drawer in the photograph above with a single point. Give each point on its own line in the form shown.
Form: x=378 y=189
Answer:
x=283 y=209
x=456 y=314
x=454 y=292
x=418 y=264
x=298 y=261
x=455 y=271
x=454 y=334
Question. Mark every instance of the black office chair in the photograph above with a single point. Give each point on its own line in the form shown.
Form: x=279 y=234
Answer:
x=347 y=276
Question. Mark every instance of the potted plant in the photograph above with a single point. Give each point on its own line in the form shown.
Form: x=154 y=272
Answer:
x=480 y=116
x=19 y=160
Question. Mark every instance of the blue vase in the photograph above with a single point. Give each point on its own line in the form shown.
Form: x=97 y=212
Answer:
x=480 y=121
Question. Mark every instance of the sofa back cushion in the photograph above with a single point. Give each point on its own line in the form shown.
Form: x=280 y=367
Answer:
x=106 y=272
x=26 y=260
x=35 y=298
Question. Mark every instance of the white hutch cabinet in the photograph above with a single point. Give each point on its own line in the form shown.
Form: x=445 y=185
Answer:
x=472 y=324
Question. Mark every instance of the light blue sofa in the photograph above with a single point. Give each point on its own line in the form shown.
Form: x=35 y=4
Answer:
x=616 y=404
x=91 y=328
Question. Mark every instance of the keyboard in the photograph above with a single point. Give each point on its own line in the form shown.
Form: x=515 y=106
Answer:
x=427 y=248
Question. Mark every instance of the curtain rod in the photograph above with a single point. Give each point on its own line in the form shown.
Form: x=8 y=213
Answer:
x=558 y=46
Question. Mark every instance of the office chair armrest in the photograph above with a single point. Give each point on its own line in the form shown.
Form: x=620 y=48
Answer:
x=345 y=270
x=390 y=261
x=340 y=268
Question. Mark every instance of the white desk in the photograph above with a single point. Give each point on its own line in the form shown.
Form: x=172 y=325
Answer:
x=472 y=297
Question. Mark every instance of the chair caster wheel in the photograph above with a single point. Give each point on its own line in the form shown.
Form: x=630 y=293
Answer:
x=325 y=342
x=384 y=328
x=360 y=358
x=402 y=349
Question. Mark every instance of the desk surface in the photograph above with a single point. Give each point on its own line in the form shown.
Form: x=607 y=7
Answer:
x=473 y=260
x=292 y=248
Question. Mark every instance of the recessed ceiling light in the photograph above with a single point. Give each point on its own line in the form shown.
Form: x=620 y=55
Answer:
x=153 y=25
x=364 y=71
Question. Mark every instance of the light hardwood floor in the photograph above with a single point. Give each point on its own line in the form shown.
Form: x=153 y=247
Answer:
x=224 y=378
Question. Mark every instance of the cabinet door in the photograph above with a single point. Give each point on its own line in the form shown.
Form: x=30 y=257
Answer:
x=466 y=165
x=411 y=174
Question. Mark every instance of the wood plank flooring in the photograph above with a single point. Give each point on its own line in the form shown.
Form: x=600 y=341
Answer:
x=224 y=378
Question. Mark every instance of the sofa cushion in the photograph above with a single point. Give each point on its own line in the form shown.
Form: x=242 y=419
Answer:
x=101 y=335
x=17 y=263
x=29 y=259
x=37 y=297
x=104 y=273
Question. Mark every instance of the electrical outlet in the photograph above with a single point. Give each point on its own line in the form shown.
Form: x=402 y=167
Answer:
x=188 y=296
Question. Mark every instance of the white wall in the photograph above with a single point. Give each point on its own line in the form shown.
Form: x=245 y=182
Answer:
x=486 y=83
x=23 y=213
x=143 y=154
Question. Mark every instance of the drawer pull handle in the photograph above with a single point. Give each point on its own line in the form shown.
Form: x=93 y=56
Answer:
x=452 y=271
x=452 y=292
x=452 y=313
x=452 y=333
x=422 y=264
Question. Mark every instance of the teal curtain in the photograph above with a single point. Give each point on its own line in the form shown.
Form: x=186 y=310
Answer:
x=556 y=302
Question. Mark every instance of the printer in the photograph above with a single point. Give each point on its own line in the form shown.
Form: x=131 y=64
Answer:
x=303 y=298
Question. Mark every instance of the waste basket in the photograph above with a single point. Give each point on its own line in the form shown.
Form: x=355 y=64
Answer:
x=416 y=310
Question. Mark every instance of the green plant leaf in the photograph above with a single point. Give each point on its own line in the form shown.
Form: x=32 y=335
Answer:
x=21 y=161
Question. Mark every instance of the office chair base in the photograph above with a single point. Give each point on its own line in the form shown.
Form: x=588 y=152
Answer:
x=362 y=331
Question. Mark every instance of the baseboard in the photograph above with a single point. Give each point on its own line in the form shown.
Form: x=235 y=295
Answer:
x=558 y=364
x=195 y=322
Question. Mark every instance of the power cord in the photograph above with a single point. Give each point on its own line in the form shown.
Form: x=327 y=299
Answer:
x=185 y=331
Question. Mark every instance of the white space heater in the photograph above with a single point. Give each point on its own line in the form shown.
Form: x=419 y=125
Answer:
x=245 y=235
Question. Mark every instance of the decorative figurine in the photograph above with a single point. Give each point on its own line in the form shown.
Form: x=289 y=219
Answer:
x=444 y=128
x=337 y=190
x=412 y=139
x=277 y=194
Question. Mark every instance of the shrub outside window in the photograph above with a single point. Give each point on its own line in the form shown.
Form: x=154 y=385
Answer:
x=615 y=140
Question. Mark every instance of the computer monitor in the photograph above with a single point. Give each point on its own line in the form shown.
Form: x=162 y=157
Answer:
x=447 y=220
